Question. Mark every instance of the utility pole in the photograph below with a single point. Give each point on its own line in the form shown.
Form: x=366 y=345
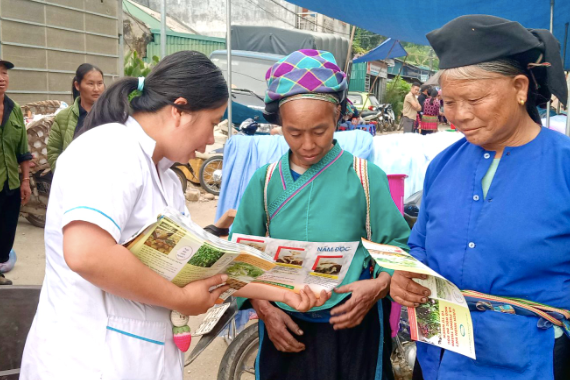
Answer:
x=163 y=29
x=430 y=61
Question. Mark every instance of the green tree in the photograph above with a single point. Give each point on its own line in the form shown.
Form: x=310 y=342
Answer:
x=365 y=41
x=396 y=90
x=136 y=67
x=421 y=55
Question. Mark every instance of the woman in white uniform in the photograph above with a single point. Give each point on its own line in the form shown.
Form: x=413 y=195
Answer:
x=102 y=313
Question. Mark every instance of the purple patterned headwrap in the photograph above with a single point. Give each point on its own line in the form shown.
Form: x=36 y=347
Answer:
x=304 y=72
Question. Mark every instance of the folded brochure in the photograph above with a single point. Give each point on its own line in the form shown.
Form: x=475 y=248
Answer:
x=321 y=266
x=181 y=252
x=443 y=321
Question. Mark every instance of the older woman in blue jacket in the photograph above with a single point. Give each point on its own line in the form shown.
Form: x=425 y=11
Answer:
x=496 y=207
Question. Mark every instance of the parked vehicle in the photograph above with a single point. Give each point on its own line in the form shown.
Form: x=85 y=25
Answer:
x=363 y=101
x=389 y=118
x=376 y=118
x=40 y=173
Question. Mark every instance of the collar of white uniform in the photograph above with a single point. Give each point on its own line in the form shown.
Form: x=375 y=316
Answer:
x=147 y=143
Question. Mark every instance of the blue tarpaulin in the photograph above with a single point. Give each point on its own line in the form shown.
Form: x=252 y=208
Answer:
x=388 y=49
x=411 y=20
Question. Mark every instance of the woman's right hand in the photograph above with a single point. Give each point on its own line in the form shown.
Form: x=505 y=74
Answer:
x=279 y=326
x=405 y=291
x=196 y=298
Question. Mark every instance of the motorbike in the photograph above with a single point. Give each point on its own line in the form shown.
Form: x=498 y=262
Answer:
x=210 y=171
x=389 y=118
x=40 y=173
x=375 y=117
x=35 y=210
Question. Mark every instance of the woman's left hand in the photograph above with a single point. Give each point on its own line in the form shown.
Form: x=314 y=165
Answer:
x=365 y=294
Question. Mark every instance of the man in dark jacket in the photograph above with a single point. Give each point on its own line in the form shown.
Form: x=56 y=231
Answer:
x=14 y=153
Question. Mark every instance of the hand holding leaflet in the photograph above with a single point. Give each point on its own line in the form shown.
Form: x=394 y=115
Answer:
x=438 y=314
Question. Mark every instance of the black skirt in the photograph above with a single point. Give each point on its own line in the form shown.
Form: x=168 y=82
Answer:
x=350 y=354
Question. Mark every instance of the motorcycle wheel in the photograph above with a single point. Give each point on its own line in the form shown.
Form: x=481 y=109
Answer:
x=207 y=174
x=182 y=178
x=238 y=362
x=38 y=221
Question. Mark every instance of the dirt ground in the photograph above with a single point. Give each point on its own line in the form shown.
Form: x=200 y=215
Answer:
x=30 y=270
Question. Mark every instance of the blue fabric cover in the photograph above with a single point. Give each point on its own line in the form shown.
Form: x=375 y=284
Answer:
x=388 y=49
x=410 y=20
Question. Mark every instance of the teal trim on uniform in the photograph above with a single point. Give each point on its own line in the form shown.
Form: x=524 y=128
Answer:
x=94 y=209
x=135 y=336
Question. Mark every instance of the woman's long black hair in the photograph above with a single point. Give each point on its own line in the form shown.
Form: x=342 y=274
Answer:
x=80 y=73
x=185 y=74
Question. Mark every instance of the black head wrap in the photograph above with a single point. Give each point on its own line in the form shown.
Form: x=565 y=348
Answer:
x=473 y=39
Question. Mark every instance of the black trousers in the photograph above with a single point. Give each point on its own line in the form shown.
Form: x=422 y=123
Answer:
x=561 y=362
x=9 y=213
x=350 y=354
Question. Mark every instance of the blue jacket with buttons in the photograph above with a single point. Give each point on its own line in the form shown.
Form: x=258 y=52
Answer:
x=515 y=242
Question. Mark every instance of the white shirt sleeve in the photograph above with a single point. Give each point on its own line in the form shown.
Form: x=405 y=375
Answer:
x=100 y=181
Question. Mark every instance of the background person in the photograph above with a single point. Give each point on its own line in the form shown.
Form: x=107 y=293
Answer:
x=14 y=153
x=87 y=86
x=430 y=114
x=411 y=109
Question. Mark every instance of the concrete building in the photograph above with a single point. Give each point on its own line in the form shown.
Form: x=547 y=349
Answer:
x=141 y=29
x=48 y=39
x=208 y=17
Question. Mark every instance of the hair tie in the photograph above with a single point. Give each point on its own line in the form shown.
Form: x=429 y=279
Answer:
x=141 y=84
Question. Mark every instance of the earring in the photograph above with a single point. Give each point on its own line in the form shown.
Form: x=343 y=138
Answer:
x=522 y=102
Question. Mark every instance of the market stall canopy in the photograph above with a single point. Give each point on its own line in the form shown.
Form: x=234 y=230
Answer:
x=387 y=49
x=410 y=20
x=267 y=39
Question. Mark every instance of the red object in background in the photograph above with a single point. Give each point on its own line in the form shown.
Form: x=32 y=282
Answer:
x=373 y=122
x=451 y=126
x=371 y=108
x=396 y=183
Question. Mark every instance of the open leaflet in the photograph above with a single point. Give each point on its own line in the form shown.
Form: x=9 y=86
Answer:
x=181 y=251
x=321 y=266
x=445 y=320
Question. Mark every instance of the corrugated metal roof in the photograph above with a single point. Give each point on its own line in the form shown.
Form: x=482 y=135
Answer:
x=183 y=41
x=358 y=77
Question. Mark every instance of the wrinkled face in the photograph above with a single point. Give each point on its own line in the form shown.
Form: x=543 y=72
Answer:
x=4 y=79
x=91 y=87
x=192 y=132
x=487 y=111
x=308 y=128
x=415 y=90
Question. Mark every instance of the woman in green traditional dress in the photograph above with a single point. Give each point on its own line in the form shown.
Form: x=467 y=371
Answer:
x=315 y=194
